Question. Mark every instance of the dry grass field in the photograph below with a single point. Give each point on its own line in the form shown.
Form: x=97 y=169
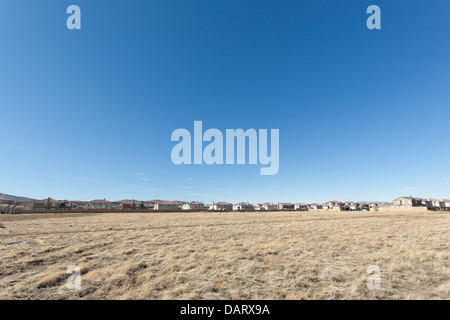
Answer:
x=285 y=255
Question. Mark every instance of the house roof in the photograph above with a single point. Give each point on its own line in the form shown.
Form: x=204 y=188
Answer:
x=104 y=201
x=195 y=202
x=169 y=202
x=333 y=202
x=48 y=199
x=400 y=198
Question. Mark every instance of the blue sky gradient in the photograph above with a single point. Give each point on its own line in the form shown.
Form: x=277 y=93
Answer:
x=363 y=114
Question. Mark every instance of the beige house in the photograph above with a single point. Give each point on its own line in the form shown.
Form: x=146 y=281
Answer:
x=351 y=206
x=356 y=206
x=338 y=207
x=77 y=205
x=150 y=206
x=327 y=205
x=167 y=206
x=334 y=205
x=98 y=205
x=5 y=208
x=407 y=202
x=374 y=205
x=243 y=206
x=300 y=207
x=221 y=206
x=315 y=206
x=286 y=206
x=258 y=207
x=50 y=204
x=194 y=205
x=130 y=205
x=269 y=206
x=446 y=204
x=437 y=203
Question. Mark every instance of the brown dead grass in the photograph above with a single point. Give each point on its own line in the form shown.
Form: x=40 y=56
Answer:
x=225 y=255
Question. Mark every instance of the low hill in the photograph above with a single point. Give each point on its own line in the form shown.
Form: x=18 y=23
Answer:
x=9 y=197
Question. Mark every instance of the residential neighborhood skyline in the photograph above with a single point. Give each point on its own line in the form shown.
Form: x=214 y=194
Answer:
x=49 y=204
x=192 y=196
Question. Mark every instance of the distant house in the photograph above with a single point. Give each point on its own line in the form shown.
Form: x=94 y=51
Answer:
x=98 y=204
x=42 y=204
x=149 y=205
x=221 y=206
x=334 y=205
x=28 y=205
x=363 y=206
x=425 y=202
x=436 y=203
x=338 y=207
x=18 y=208
x=286 y=206
x=49 y=204
x=269 y=206
x=167 y=206
x=131 y=205
x=194 y=205
x=243 y=206
x=352 y=206
x=407 y=202
x=315 y=206
x=356 y=206
x=258 y=207
x=65 y=205
x=300 y=207
x=5 y=208
x=327 y=205
x=127 y=205
x=76 y=205
x=446 y=203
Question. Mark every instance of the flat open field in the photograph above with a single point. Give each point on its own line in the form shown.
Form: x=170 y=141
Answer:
x=298 y=255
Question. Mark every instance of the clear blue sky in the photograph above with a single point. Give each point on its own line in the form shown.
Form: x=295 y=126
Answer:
x=363 y=115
